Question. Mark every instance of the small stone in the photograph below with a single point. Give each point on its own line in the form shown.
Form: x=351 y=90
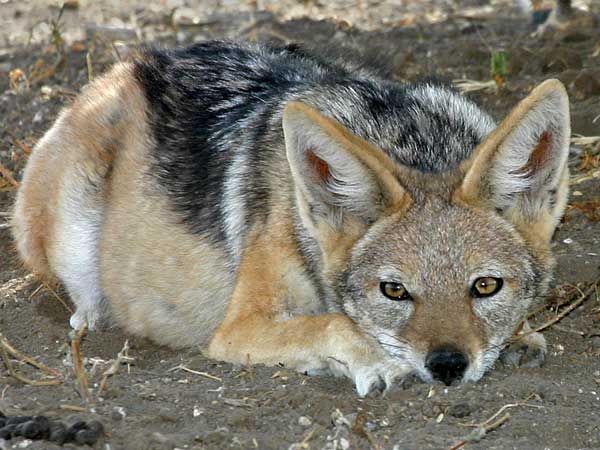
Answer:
x=44 y=424
x=18 y=431
x=15 y=420
x=96 y=426
x=31 y=430
x=74 y=429
x=595 y=341
x=58 y=433
x=118 y=413
x=86 y=437
x=304 y=421
x=10 y=428
x=344 y=443
x=460 y=410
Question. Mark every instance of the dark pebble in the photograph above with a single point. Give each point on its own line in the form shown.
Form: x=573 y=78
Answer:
x=460 y=410
x=44 y=424
x=18 y=419
x=58 y=433
x=86 y=437
x=32 y=430
x=19 y=429
x=73 y=429
x=96 y=426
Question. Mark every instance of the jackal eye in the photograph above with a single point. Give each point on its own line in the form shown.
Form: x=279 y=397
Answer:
x=394 y=291
x=486 y=286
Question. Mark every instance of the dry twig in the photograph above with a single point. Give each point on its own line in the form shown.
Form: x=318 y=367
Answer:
x=28 y=359
x=7 y=174
x=483 y=428
x=480 y=432
x=583 y=296
x=122 y=357
x=78 y=364
x=5 y=348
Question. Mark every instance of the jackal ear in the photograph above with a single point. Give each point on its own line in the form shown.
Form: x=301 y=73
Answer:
x=521 y=167
x=336 y=173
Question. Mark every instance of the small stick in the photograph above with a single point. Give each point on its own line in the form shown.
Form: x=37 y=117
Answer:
x=90 y=68
x=28 y=359
x=34 y=293
x=195 y=372
x=19 y=377
x=563 y=313
x=7 y=174
x=78 y=363
x=114 y=367
x=73 y=408
x=57 y=297
x=480 y=432
x=26 y=149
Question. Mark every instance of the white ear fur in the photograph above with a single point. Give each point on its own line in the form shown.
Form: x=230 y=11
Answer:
x=544 y=128
x=332 y=180
x=521 y=164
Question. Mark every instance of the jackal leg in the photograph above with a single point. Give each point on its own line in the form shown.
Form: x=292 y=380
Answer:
x=253 y=332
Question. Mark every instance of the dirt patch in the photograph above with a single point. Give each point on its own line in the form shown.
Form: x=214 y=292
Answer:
x=167 y=399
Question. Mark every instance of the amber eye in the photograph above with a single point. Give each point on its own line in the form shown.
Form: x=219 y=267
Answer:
x=486 y=286
x=394 y=291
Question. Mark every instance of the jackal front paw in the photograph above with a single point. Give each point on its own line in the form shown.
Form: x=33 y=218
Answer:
x=528 y=351
x=90 y=317
x=374 y=377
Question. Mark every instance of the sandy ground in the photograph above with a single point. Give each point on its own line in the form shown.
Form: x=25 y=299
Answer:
x=152 y=403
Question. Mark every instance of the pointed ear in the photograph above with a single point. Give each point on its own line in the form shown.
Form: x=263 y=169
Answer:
x=521 y=167
x=338 y=176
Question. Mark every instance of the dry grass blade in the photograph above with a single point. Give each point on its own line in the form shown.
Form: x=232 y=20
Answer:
x=13 y=373
x=196 y=372
x=122 y=357
x=57 y=297
x=585 y=140
x=466 y=85
x=78 y=364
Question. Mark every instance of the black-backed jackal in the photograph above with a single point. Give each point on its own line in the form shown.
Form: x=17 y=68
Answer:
x=275 y=207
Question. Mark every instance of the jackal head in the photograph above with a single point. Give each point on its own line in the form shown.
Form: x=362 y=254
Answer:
x=442 y=267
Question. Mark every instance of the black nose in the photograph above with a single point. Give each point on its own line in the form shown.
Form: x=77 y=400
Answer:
x=446 y=364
